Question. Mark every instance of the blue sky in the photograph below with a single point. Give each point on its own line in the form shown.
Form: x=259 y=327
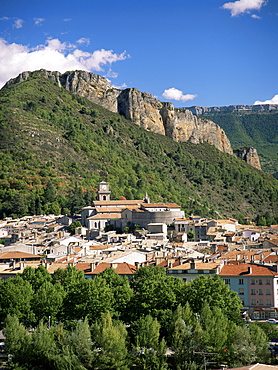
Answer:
x=190 y=52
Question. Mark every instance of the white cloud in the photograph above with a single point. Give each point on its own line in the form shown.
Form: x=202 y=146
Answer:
x=54 y=56
x=18 y=23
x=255 y=16
x=175 y=94
x=83 y=40
x=111 y=74
x=243 y=6
x=38 y=21
x=274 y=100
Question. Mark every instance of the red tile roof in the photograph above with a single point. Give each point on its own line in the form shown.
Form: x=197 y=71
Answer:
x=120 y=268
x=161 y=205
x=243 y=269
x=16 y=255
x=105 y=216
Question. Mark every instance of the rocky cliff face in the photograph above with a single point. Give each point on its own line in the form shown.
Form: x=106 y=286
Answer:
x=249 y=155
x=139 y=107
x=202 y=111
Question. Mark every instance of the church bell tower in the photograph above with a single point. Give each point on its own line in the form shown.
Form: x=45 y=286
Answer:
x=103 y=191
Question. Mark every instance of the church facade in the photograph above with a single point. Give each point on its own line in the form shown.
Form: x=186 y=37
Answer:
x=119 y=213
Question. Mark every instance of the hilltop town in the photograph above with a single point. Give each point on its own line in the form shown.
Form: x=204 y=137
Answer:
x=158 y=234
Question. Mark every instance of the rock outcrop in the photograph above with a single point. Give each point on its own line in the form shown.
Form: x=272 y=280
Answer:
x=139 y=107
x=249 y=155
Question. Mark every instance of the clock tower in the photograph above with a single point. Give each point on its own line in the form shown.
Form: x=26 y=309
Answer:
x=103 y=191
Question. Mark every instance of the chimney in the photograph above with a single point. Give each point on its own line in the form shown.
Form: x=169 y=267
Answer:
x=249 y=270
x=170 y=264
x=93 y=266
x=192 y=265
x=114 y=265
x=137 y=265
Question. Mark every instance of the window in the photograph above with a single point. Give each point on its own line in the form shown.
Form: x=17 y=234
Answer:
x=253 y=291
x=260 y=281
x=267 y=281
x=240 y=281
x=253 y=302
x=261 y=302
x=268 y=292
x=252 y=281
x=227 y=281
x=241 y=291
x=260 y=292
x=268 y=302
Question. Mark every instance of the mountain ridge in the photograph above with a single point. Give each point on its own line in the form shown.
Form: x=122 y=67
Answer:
x=254 y=126
x=57 y=146
x=258 y=108
x=139 y=107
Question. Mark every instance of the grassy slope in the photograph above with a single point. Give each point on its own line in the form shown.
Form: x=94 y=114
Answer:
x=259 y=130
x=50 y=135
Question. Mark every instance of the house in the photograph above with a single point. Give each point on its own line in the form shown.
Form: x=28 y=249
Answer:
x=14 y=257
x=251 y=234
x=190 y=270
x=256 y=286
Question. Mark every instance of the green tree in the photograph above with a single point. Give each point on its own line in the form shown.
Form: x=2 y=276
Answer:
x=49 y=192
x=73 y=226
x=81 y=342
x=260 y=340
x=154 y=293
x=242 y=350
x=15 y=298
x=110 y=345
x=214 y=292
x=17 y=340
x=185 y=338
x=37 y=277
x=121 y=290
x=47 y=302
x=149 y=350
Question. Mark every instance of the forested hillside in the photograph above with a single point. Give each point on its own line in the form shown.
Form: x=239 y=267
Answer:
x=56 y=146
x=259 y=130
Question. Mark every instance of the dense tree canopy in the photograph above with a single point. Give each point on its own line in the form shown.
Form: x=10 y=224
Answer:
x=111 y=323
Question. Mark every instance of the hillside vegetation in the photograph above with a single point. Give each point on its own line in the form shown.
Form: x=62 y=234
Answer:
x=259 y=130
x=56 y=146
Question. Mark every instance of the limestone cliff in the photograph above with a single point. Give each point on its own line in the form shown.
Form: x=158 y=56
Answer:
x=139 y=107
x=249 y=155
x=260 y=108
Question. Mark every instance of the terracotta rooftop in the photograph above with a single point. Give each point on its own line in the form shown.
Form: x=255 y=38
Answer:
x=161 y=205
x=99 y=247
x=198 y=266
x=104 y=216
x=271 y=258
x=246 y=269
x=108 y=209
x=120 y=268
x=256 y=255
x=16 y=255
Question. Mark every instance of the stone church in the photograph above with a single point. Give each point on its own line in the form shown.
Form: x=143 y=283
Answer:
x=119 y=213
